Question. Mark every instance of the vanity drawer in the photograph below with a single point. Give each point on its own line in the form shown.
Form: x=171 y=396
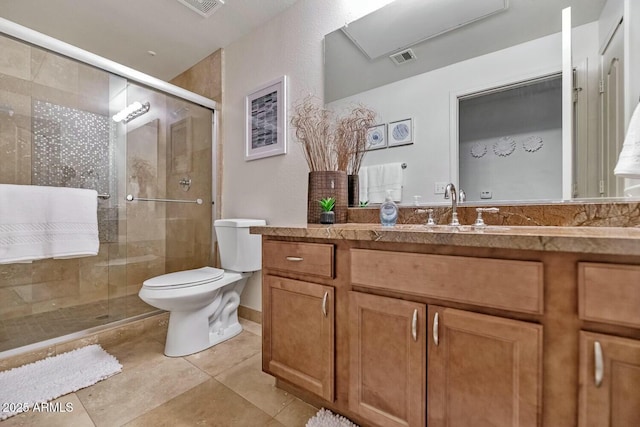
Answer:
x=505 y=284
x=609 y=293
x=314 y=259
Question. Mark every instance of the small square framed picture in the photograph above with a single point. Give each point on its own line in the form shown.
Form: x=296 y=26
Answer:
x=400 y=132
x=376 y=137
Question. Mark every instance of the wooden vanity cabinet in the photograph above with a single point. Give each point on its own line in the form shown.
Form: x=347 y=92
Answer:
x=483 y=370
x=476 y=369
x=387 y=360
x=299 y=316
x=609 y=365
x=609 y=381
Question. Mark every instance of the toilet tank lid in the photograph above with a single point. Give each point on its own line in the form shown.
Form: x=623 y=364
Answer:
x=239 y=222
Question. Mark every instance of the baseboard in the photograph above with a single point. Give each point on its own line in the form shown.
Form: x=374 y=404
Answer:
x=250 y=314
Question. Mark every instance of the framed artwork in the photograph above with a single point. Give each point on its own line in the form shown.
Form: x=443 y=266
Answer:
x=401 y=132
x=376 y=137
x=181 y=148
x=266 y=120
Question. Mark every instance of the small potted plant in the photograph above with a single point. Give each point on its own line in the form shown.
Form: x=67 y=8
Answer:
x=327 y=216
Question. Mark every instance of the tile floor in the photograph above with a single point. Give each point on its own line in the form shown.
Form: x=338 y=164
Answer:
x=221 y=386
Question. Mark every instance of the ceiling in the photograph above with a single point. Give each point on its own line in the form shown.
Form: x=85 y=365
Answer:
x=125 y=30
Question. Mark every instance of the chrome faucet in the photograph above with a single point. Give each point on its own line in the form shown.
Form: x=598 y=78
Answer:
x=462 y=196
x=450 y=192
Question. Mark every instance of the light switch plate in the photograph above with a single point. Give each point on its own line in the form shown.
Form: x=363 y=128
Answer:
x=439 y=187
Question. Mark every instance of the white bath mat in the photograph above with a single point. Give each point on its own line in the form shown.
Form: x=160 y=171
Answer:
x=326 y=418
x=47 y=379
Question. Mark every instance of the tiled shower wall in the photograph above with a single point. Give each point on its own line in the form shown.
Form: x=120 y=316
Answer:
x=31 y=152
x=55 y=129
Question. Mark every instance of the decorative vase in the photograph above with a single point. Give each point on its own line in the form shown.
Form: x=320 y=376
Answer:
x=327 y=217
x=323 y=184
x=353 y=190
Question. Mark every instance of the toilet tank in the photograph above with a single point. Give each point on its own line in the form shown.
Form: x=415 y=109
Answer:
x=239 y=250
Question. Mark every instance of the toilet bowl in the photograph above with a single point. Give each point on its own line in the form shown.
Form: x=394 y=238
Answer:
x=203 y=302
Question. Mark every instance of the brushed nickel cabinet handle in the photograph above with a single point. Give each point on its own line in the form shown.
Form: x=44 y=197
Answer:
x=599 y=363
x=294 y=258
x=324 y=303
x=435 y=329
x=414 y=325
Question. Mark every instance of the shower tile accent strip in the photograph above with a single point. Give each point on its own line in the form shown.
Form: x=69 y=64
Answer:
x=71 y=148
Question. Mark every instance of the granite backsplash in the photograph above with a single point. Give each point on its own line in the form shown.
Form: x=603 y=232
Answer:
x=591 y=214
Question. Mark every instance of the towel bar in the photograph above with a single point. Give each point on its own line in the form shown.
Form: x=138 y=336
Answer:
x=131 y=198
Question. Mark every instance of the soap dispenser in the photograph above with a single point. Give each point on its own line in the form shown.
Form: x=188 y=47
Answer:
x=388 y=211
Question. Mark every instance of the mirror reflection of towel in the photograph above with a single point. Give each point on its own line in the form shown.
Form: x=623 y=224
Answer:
x=384 y=177
x=628 y=165
x=363 y=184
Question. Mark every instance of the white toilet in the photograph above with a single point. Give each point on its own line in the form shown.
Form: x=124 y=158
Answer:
x=203 y=303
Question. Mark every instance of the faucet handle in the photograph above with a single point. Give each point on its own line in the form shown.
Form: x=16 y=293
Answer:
x=479 y=221
x=462 y=196
x=430 y=220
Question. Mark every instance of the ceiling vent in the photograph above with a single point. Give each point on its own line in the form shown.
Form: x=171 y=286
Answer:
x=204 y=8
x=411 y=22
x=403 y=56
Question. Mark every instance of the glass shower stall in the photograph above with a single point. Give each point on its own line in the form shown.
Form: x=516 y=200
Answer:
x=60 y=126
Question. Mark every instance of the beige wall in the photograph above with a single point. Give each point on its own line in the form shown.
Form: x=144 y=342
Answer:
x=275 y=188
x=204 y=78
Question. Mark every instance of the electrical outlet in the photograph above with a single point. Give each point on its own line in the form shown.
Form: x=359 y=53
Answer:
x=486 y=194
x=439 y=187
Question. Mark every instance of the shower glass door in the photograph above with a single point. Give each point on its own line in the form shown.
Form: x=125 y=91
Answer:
x=57 y=129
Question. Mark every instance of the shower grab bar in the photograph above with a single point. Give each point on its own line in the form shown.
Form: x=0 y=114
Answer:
x=131 y=198
x=104 y=196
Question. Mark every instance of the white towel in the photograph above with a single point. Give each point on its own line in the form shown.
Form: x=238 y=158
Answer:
x=46 y=222
x=628 y=165
x=363 y=184
x=382 y=178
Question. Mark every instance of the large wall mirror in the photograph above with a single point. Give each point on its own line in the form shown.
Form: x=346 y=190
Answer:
x=479 y=86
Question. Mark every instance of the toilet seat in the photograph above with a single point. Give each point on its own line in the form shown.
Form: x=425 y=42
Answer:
x=184 y=279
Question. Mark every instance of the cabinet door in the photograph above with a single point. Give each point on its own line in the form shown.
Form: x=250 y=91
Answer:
x=609 y=381
x=298 y=328
x=387 y=356
x=483 y=370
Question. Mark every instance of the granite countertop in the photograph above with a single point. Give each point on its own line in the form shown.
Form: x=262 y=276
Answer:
x=600 y=240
